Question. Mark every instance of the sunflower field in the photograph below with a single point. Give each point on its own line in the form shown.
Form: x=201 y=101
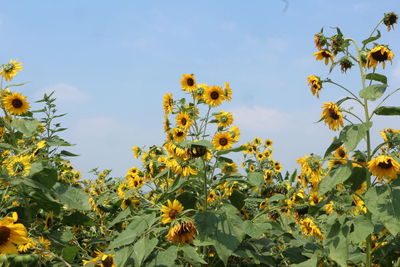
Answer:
x=190 y=203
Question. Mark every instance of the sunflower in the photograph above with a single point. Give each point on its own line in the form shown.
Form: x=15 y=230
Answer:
x=257 y=141
x=183 y=232
x=339 y=157
x=379 y=54
x=329 y=207
x=384 y=166
x=188 y=82
x=102 y=260
x=11 y=233
x=222 y=140
x=229 y=168
x=235 y=133
x=224 y=119
x=212 y=196
x=315 y=83
x=359 y=205
x=314 y=199
x=310 y=228
x=264 y=205
x=30 y=243
x=260 y=156
x=268 y=176
x=201 y=88
x=133 y=172
x=171 y=211
x=390 y=19
x=252 y=168
x=332 y=116
x=214 y=96
x=324 y=54
x=168 y=103
x=182 y=168
x=268 y=143
x=136 y=151
x=177 y=134
x=130 y=202
x=183 y=120
x=228 y=92
x=19 y=166
x=15 y=103
x=277 y=166
x=9 y=70
x=267 y=153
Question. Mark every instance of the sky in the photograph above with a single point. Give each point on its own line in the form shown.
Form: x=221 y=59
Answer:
x=111 y=62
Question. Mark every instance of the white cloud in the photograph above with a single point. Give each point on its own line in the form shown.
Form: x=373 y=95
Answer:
x=65 y=93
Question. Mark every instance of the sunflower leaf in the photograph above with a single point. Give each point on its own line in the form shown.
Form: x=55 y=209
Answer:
x=337 y=176
x=373 y=92
x=27 y=127
x=372 y=38
x=353 y=134
x=337 y=142
x=387 y=111
x=376 y=77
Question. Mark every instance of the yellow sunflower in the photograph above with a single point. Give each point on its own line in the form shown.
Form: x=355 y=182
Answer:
x=228 y=92
x=182 y=168
x=229 y=168
x=183 y=120
x=235 y=133
x=257 y=141
x=102 y=260
x=268 y=176
x=224 y=119
x=267 y=153
x=214 y=96
x=171 y=211
x=268 y=143
x=136 y=151
x=18 y=166
x=177 y=134
x=277 y=166
x=212 y=196
x=39 y=146
x=15 y=103
x=9 y=70
x=11 y=233
x=183 y=232
x=332 y=116
x=379 y=54
x=260 y=156
x=201 y=88
x=310 y=228
x=315 y=83
x=188 y=82
x=324 y=55
x=168 y=103
x=222 y=140
x=384 y=166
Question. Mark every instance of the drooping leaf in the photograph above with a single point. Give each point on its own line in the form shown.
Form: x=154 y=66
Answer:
x=376 y=77
x=387 y=111
x=373 y=92
x=337 y=176
x=372 y=38
x=353 y=134
x=25 y=126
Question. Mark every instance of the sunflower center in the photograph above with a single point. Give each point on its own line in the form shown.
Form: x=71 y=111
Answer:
x=5 y=233
x=341 y=153
x=214 y=95
x=9 y=67
x=325 y=54
x=223 y=141
x=17 y=103
x=179 y=134
x=333 y=114
x=108 y=262
x=183 y=121
x=385 y=165
x=18 y=167
x=378 y=56
x=172 y=213
x=190 y=82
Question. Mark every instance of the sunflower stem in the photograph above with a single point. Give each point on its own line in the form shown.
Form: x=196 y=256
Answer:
x=368 y=140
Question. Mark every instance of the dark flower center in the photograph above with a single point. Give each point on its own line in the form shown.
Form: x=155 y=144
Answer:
x=16 y=103
x=223 y=141
x=341 y=153
x=172 y=213
x=179 y=134
x=9 y=67
x=5 y=233
x=333 y=114
x=18 y=167
x=190 y=82
x=214 y=95
x=378 y=56
x=183 y=121
x=325 y=54
x=108 y=262
x=385 y=165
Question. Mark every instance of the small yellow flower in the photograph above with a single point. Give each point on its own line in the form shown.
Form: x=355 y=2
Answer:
x=315 y=83
x=379 y=54
x=9 y=70
x=171 y=211
x=324 y=55
x=214 y=95
x=188 y=82
x=222 y=140
x=16 y=103
x=332 y=116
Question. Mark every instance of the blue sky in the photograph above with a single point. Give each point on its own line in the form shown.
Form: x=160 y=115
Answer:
x=111 y=63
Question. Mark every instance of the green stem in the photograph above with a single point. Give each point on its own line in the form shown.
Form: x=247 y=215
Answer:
x=347 y=90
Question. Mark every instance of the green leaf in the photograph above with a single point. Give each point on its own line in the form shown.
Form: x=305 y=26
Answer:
x=337 y=176
x=165 y=258
x=337 y=142
x=65 y=235
x=235 y=149
x=74 y=198
x=337 y=242
x=387 y=111
x=78 y=218
x=372 y=38
x=69 y=253
x=188 y=200
x=362 y=228
x=27 y=127
x=308 y=263
x=142 y=248
x=206 y=223
x=137 y=226
x=120 y=217
x=123 y=257
x=255 y=178
x=353 y=134
x=68 y=154
x=384 y=202
x=191 y=254
x=47 y=177
x=237 y=199
x=376 y=77
x=373 y=92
